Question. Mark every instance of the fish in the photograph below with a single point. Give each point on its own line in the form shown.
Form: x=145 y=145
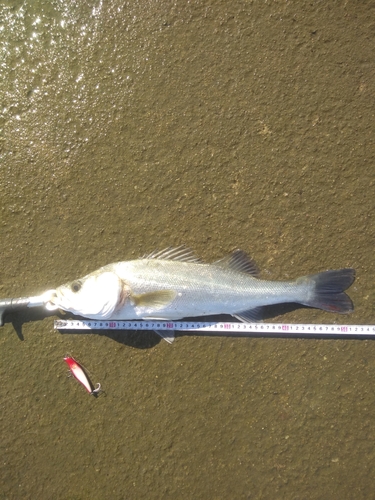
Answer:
x=173 y=284
x=79 y=373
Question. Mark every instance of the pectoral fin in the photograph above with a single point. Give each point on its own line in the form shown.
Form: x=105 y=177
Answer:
x=156 y=300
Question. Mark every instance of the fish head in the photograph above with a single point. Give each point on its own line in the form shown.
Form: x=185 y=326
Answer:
x=94 y=296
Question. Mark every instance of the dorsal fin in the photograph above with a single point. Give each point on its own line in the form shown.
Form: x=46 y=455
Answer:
x=238 y=261
x=182 y=254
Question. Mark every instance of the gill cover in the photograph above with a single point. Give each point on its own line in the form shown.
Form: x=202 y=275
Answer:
x=94 y=295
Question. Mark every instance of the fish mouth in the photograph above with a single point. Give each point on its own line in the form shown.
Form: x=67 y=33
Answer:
x=53 y=300
x=48 y=298
x=58 y=301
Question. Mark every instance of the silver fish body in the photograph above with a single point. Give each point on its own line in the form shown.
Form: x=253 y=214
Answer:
x=198 y=290
x=173 y=284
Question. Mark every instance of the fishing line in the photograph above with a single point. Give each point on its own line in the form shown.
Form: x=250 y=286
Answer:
x=227 y=329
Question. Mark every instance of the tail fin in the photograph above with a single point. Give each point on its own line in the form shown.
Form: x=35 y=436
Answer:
x=329 y=290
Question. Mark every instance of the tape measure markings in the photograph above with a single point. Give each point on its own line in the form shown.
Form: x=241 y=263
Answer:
x=229 y=328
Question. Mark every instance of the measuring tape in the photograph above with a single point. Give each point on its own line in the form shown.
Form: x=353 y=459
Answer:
x=223 y=328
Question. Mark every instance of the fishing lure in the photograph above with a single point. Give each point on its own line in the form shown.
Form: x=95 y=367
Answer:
x=80 y=374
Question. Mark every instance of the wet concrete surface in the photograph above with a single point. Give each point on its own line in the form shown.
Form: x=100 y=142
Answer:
x=217 y=125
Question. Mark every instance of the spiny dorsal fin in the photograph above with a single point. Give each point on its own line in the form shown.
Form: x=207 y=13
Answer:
x=238 y=261
x=182 y=254
x=157 y=299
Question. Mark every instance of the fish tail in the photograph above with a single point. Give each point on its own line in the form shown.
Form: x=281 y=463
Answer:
x=328 y=292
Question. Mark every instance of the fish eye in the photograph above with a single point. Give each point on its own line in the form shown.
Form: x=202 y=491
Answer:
x=76 y=286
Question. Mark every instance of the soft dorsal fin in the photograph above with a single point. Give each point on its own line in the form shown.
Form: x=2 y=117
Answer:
x=238 y=261
x=182 y=254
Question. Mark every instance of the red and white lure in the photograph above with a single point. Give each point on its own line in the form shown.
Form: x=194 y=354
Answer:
x=80 y=374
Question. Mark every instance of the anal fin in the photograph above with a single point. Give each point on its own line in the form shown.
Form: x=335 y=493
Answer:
x=251 y=316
